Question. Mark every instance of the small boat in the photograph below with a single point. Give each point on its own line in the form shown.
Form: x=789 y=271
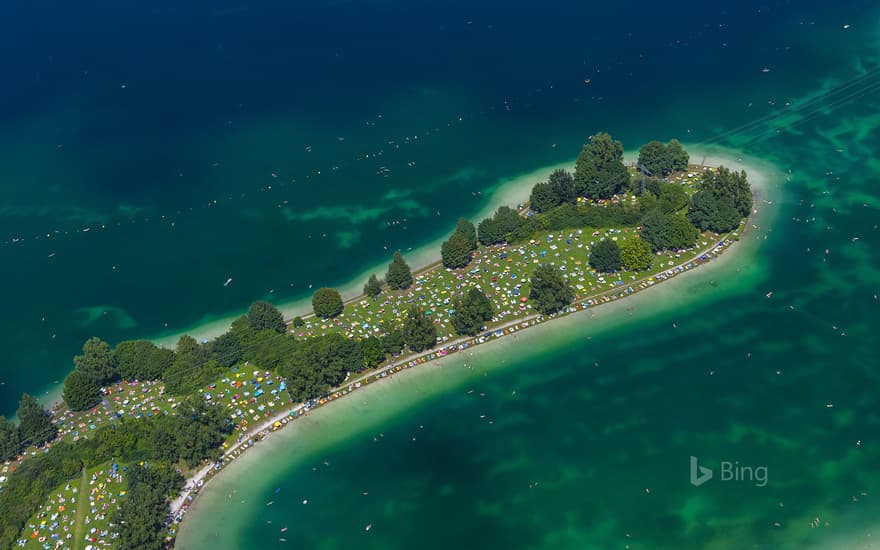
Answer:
x=587 y=81
x=229 y=280
x=368 y=527
x=770 y=294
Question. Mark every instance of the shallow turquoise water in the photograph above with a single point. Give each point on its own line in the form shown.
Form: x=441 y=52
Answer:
x=488 y=90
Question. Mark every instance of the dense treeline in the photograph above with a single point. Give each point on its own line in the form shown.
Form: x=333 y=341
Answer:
x=192 y=435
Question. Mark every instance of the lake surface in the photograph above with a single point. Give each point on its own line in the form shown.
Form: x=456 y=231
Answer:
x=150 y=153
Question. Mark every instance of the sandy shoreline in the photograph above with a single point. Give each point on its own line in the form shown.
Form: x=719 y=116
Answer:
x=760 y=175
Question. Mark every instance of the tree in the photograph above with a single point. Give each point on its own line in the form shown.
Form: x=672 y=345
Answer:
x=671 y=197
x=298 y=322
x=468 y=231
x=662 y=160
x=724 y=198
x=635 y=254
x=585 y=173
x=10 y=443
x=192 y=367
x=81 y=392
x=488 y=232
x=653 y=156
x=392 y=341
x=654 y=229
x=599 y=170
x=680 y=232
x=373 y=352
x=226 y=349
x=678 y=157
x=550 y=291
x=263 y=315
x=327 y=303
x=373 y=287
x=472 y=311
x=419 y=332
x=141 y=360
x=399 y=276
x=456 y=251
x=97 y=361
x=562 y=184
x=605 y=256
x=35 y=423
x=320 y=363
x=507 y=221
x=543 y=198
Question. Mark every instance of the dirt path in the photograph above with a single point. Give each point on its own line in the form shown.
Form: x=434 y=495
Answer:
x=81 y=507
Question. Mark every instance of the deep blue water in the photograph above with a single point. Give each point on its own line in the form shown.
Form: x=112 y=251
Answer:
x=123 y=118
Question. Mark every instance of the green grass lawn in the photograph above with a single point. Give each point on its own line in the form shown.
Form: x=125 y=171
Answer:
x=56 y=521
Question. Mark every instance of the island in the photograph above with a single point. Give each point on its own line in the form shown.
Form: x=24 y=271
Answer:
x=142 y=427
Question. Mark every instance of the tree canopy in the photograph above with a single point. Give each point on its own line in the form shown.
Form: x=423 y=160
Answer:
x=472 y=311
x=10 y=442
x=81 y=392
x=605 y=256
x=543 y=198
x=635 y=254
x=399 y=276
x=466 y=229
x=97 y=361
x=599 y=171
x=456 y=251
x=662 y=160
x=373 y=287
x=320 y=363
x=141 y=360
x=327 y=303
x=35 y=424
x=263 y=315
x=226 y=349
x=724 y=198
x=668 y=231
x=501 y=227
x=419 y=332
x=550 y=291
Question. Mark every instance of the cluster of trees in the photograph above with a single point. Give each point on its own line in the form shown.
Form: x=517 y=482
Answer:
x=503 y=226
x=34 y=427
x=723 y=199
x=599 y=172
x=457 y=251
x=672 y=231
x=558 y=189
x=550 y=291
x=662 y=160
x=259 y=335
x=141 y=515
x=92 y=370
x=192 y=435
x=634 y=255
